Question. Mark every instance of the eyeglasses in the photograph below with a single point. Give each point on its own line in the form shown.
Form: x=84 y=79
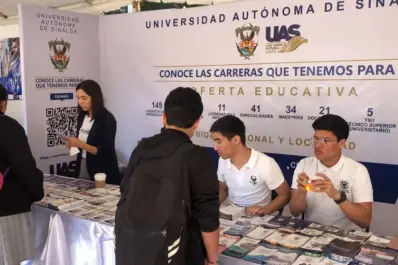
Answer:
x=323 y=140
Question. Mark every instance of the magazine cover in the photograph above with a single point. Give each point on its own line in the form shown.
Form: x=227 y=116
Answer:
x=260 y=233
x=318 y=242
x=225 y=225
x=374 y=255
x=284 y=256
x=379 y=240
x=342 y=247
x=295 y=241
x=262 y=253
x=309 y=258
x=241 y=248
x=232 y=212
x=261 y=220
x=333 y=259
x=277 y=222
x=359 y=236
x=277 y=237
x=226 y=241
x=313 y=229
x=292 y=225
x=240 y=228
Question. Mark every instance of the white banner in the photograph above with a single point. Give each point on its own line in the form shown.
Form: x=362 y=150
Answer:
x=59 y=49
x=278 y=67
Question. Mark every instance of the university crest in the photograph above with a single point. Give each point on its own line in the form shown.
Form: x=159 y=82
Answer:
x=247 y=41
x=58 y=54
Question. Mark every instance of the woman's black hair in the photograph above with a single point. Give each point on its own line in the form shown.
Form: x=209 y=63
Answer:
x=93 y=89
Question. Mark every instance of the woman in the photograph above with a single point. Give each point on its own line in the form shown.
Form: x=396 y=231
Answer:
x=21 y=184
x=96 y=132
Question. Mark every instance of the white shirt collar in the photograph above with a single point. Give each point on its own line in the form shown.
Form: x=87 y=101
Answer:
x=250 y=164
x=336 y=168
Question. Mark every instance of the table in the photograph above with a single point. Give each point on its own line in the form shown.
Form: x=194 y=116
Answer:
x=64 y=239
x=69 y=236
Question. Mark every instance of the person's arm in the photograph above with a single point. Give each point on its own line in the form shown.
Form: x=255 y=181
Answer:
x=211 y=241
x=280 y=201
x=274 y=179
x=22 y=164
x=223 y=191
x=298 y=201
x=221 y=180
x=106 y=138
x=89 y=148
x=359 y=210
x=205 y=203
x=359 y=213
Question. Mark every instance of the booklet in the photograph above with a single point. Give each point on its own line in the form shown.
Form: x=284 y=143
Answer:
x=342 y=247
x=333 y=259
x=292 y=226
x=284 y=256
x=336 y=231
x=313 y=229
x=359 y=236
x=241 y=248
x=277 y=237
x=379 y=240
x=295 y=241
x=262 y=253
x=232 y=212
x=374 y=255
x=309 y=258
x=226 y=241
x=240 y=228
x=260 y=233
x=318 y=242
x=261 y=220
x=277 y=221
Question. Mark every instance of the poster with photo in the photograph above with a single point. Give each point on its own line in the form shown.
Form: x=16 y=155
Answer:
x=10 y=67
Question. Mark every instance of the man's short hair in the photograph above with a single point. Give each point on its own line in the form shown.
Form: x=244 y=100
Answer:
x=3 y=93
x=230 y=126
x=183 y=107
x=334 y=124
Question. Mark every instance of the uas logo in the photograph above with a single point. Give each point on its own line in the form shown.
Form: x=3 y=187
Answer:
x=247 y=40
x=281 y=39
x=58 y=56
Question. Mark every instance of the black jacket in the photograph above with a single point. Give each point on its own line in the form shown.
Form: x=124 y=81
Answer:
x=203 y=190
x=24 y=183
x=102 y=135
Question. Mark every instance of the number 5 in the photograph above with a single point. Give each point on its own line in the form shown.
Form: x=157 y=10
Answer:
x=370 y=112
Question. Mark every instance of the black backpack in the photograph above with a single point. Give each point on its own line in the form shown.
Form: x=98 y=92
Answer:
x=153 y=212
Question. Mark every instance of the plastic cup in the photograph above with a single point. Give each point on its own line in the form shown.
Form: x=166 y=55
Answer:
x=100 y=180
x=308 y=185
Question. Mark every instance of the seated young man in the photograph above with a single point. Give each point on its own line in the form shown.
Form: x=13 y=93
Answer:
x=246 y=176
x=342 y=194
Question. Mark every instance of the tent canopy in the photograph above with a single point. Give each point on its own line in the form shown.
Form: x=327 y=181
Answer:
x=9 y=8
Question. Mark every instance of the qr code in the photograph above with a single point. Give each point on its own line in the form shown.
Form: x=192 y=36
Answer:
x=60 y=122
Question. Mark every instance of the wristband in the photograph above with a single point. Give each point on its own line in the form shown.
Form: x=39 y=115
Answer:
x=342 y=199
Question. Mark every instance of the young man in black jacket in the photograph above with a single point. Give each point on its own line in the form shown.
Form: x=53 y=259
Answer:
x=22 y=185
x=182 y=112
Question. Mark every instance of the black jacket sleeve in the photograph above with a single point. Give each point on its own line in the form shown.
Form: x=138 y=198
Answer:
x=204 y=189
x=22 y=164
x=106 y=141
x=133 y=162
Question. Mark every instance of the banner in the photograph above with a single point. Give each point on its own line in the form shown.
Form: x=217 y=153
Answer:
x=277 y=66
x=59 y=50
x=10 y=67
